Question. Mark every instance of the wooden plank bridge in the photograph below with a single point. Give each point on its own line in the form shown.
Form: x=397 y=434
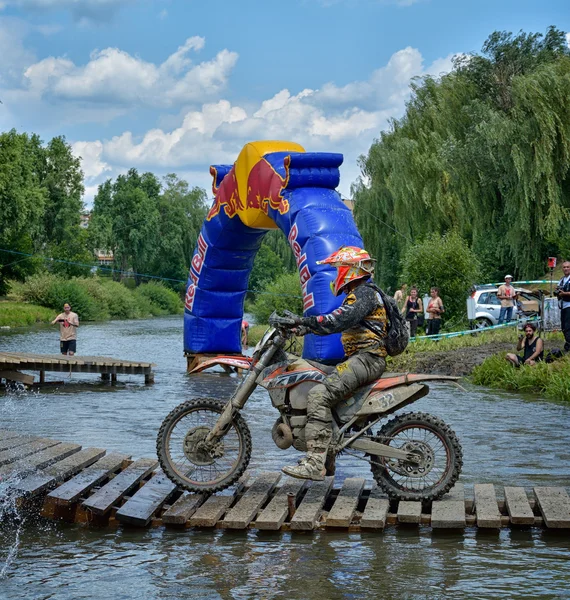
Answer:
x=13 y=363
x=62 y=480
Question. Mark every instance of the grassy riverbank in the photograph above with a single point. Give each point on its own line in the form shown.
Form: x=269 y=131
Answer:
x=18 y=314
x=41 y=297
x=550 y=380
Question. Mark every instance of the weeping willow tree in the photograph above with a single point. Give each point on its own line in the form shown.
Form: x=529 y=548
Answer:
x=483 y=151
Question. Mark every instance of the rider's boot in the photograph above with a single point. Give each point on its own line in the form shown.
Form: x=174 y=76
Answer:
x=311 y=466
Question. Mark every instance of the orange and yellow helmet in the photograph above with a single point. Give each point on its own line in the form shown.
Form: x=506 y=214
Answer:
x=352 y=263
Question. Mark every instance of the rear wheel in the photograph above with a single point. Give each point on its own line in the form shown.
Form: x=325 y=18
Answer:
x=188 y=461
x=482 y=322
x=438 y=452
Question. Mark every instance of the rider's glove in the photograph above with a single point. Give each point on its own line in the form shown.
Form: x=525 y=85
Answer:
x=301 y=330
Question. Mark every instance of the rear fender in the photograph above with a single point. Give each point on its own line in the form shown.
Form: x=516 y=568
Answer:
x=391 y=400
x=380 y=402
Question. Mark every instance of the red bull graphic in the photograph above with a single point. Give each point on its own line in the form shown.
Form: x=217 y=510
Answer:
x=272 y=185
x=195 y=270
x=264 y=191
x=304 y=273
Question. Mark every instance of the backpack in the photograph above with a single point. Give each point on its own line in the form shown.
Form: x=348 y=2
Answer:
x=398 y=335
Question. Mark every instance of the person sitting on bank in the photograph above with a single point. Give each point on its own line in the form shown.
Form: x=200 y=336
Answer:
x=68 y=324
x=434 y=311
x=412 y=309
x=507 y=295
x=532 y=345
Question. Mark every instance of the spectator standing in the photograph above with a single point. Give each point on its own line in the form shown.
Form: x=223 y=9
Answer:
x=434 y=311
x=68 y=324
x=412 y=309
x=507 y=295
x=532 y=345
x=244 y=333
x=563 y=294
x=400 y=296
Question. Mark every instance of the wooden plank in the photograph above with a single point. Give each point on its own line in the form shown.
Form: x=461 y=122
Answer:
x=211 y=511
x=16 y=441
x=17 y=376
x=345 y=505
x=518 y=506
x=308 y=513
x=138 y=510
x=103 y=500
x=241 y=515
x=275 y=513
x=40 y=481
x=409 y=511
x=449 y=511
x=486 y=507
x=554 y=504
x=183 y=509
x=14 y=454
x=82 y=483
x=42 y=459
x=376 y=510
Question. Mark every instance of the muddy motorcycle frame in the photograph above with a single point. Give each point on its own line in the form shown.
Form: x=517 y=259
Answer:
x=400 y=458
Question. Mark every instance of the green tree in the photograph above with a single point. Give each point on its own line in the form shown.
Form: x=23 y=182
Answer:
x=127 y=220
x=484 y=150
x=267 y=267
x=22 y=204
x=182 y=211
x=445 y=262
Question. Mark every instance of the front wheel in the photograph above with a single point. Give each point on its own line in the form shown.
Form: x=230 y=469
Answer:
x=438 y=464
x=187 y=461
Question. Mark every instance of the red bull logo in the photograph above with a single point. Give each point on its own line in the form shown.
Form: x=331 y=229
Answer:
x=265 y=187
x=304 y=273
x=195 y=270
x=226 y=195
x=264 y=191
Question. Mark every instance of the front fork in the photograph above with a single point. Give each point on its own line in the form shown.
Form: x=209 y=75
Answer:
x=241 y=395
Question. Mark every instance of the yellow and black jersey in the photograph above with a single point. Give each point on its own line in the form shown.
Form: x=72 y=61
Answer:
x=361 y=319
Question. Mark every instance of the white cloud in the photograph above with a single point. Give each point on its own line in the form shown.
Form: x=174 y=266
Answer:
x=568 y=39
x=333 y=118
x=95 y=10
x=115 y=77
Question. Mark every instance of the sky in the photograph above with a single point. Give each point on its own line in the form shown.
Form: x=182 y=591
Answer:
x=173 y=86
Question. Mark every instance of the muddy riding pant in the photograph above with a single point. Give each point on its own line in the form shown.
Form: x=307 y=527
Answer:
x=356 y=371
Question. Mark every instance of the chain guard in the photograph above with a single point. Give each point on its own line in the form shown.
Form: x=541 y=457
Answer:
x=196 y=450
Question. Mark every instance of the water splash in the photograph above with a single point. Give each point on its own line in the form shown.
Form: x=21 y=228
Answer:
x=13 y=521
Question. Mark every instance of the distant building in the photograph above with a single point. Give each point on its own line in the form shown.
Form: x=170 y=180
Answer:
x=348 y=203
x=104 y=257
x=84 y=219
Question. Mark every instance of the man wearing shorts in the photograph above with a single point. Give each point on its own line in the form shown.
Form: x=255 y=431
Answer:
x=68 y=324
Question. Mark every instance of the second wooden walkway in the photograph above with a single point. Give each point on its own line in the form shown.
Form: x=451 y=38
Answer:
x=64 y=481
x=13 y=363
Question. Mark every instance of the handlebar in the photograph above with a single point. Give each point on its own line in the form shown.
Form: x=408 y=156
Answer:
x=288 y=321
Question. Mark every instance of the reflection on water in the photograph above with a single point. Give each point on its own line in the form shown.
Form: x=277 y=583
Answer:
x=506 y=440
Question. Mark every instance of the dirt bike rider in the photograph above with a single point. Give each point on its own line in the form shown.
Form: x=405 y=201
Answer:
x=362 y=321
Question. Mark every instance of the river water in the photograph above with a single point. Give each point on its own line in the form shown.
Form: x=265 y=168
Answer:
x=507 y=440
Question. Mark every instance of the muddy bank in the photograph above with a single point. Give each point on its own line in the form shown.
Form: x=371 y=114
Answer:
x=459 y=362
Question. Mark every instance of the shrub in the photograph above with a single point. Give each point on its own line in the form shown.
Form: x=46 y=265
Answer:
x=283 y=293
x=167 y=300
x=445 y=262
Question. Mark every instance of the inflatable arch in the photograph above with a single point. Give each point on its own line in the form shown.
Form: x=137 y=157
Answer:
x=272 y=184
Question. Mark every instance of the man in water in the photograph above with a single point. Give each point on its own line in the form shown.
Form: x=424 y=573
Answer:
x=532 y=345
x=362 y=321
x=68 y=324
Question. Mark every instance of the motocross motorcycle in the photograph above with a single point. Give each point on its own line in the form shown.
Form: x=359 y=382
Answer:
x=204 y=444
